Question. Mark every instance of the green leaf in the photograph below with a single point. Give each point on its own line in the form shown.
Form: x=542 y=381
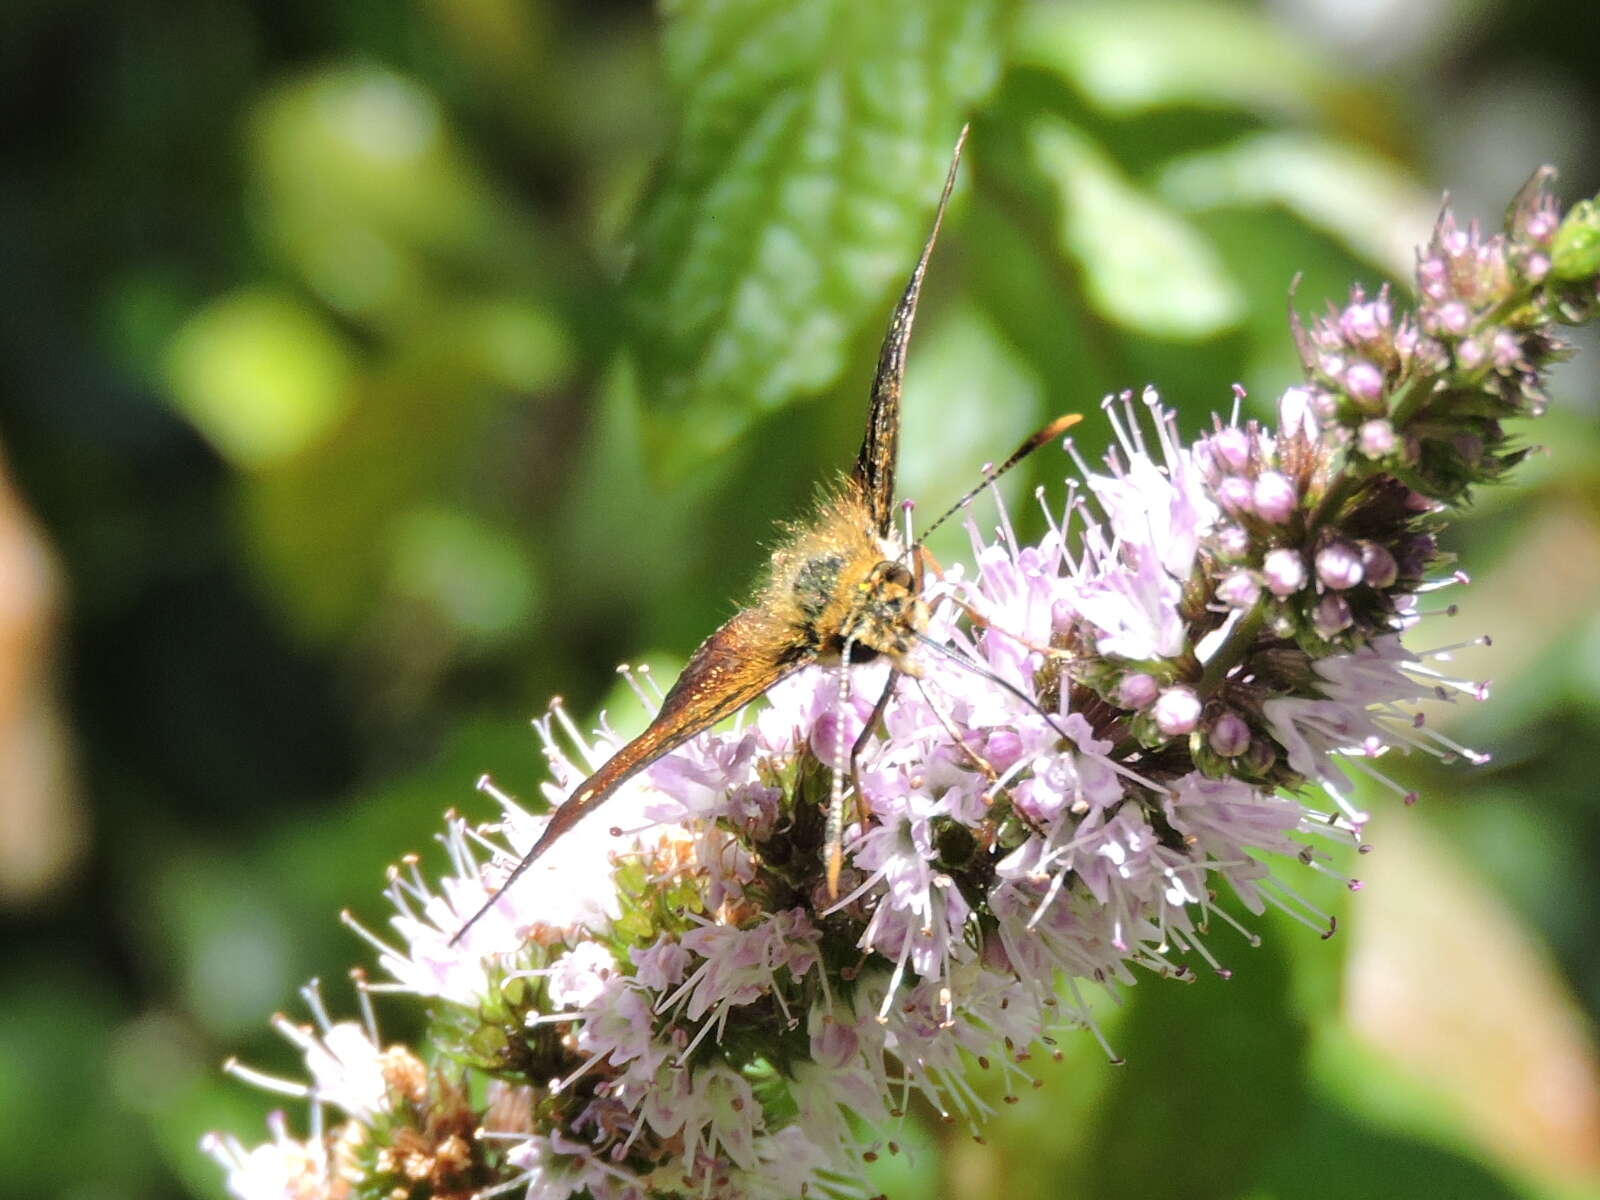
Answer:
x=1218 y=1065
x=1369 y=203
x=1143 y=265
x=262 y=376
x=1128 y=58
x=810 y=148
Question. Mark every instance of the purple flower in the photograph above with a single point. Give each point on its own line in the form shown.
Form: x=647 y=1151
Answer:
x=675 y=1003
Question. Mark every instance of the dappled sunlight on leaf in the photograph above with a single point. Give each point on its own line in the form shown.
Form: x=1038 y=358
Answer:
x=1372 y=204
x=1143 y=265
x=1129 y=57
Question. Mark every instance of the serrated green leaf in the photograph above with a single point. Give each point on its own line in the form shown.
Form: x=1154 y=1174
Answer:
x=1370 y=204
x=1128 y=58
x=1143 y=265
x=809 y=154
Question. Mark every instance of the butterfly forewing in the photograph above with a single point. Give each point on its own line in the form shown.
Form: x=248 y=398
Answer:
x=875 y=464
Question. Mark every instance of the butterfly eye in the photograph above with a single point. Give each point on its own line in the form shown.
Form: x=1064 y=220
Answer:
x=899 y=574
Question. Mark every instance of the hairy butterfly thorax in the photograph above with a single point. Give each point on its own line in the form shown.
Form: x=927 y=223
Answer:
x=845 y=590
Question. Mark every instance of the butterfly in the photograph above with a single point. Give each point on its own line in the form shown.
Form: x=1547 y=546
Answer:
x=843 y=588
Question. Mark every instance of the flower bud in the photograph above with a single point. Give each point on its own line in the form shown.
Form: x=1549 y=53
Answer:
x=1378 y=565
x=1234 y=494
x=1331 y=615
x=1363 y=382
x=1505 y=350
x=1274 y=497
x=1137 y=690
x=1239 y=589
x=1454 y=318
x=1542 y=225
x=1339 y=566
x=1376 y=438
x=1364 y=322
x=1417 y=554
x=1229 y=736
x=1231 y=445
x=1324 y=404
x=1575 y=251
x=1284 y=571
x=1233 y=541
x=1177 y=711
x=1433 y=277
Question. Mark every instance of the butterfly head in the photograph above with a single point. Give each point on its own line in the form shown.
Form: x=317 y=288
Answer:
x=885 y=615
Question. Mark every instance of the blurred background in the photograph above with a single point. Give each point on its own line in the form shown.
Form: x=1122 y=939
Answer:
x=374 y=371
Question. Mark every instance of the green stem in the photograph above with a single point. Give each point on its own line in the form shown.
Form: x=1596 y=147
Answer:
x=1408 y=399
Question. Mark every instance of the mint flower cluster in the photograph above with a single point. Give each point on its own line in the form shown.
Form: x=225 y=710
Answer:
x=1138 y=727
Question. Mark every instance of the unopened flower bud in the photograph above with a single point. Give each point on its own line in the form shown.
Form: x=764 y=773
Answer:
x=1231 y=445
x=1331 y=615
x=1416 y=554
x=1229 y=736
x=1239 y=589
x=1454 y=318
x=1505 y=350
x=1339 y=566
x=1471 y=354
x=1363 y=322
x=1540 y=225
x=1177 y=711
x=1376 y=438
x=1234 y=493
x=1233 y=541
x=1364 y=384
x=1378 y=565
x=1324 y=404
x=1284 y=571
x=1137 y=690
x=1433 y=278
x=1273 y=497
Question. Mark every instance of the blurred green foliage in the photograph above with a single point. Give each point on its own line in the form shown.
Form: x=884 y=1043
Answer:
x=378 y=370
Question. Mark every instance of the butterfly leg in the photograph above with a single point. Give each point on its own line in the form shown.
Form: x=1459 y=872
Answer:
x=985 y=768
x=863 y=815
x=834 y=830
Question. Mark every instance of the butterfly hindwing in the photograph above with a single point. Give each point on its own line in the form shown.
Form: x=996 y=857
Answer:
x=733 y=666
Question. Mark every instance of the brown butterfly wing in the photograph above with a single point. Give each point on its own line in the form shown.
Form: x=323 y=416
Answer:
x=880 y=448
x=731 y=668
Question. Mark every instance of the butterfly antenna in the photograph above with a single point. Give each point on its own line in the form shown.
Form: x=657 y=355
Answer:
x=1048 y=434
